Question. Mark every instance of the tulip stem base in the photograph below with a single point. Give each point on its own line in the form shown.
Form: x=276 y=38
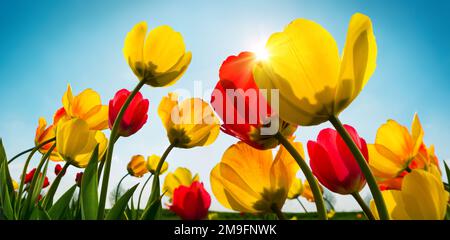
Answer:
x=142 y=190
x=278 y=212
x=363 y=205
x=318 y=198
x=371 y=182
x=112 y=139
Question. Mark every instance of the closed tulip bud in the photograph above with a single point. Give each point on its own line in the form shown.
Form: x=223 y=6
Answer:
x=160 y=58
x=59 y=169
x=29 y=177
x=15 y=184
x=191 y=202
x=137 y=167
x=334 y=165
x=78 y=178
x=135 y=115
x=152 y=164
x=191 y=123
x=244 y=110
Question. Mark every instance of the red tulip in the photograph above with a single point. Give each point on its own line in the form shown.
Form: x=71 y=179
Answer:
x=58 y=169
x=241 y=118
x=78 y=178
x=191 y=203
x=135 y=116
x=334 y=165
x=30 y=175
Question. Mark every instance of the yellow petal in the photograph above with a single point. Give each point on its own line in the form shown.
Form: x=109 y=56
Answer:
x=163 y=49
x=358 y=61
x=133 y=48
x=394 y=205
x=424 y=196
x=284 y=168
x=172 y=75
x=67 y=100
x=181 y=176
x=168 y=107
x=137 y=166
x=417 y=133
x=396 y=138
x=383 y=163
x=296 y=189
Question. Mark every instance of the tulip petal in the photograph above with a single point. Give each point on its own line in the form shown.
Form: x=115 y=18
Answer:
x=133 y=49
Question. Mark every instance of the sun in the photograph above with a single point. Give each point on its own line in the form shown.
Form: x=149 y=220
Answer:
x=262 y=54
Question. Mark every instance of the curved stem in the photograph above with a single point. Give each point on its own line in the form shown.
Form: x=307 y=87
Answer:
x=155 y=185
x=301 y=204
x=363 y=205
x=118 y=186
x=113 y=138
x=48 y=199
x=142 y=190
x=318 y=199
x=278 y=212
x=31 y=149
x=377 y=197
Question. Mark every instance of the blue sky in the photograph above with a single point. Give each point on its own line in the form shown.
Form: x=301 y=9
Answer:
x=47 y=44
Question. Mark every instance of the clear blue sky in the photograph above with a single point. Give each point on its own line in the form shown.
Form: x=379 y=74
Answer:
x=47 y=44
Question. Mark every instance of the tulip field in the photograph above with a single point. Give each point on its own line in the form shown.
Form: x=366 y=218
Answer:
x=261 y=99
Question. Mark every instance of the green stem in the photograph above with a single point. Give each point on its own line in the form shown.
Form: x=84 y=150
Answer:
x=278 y=212
x=301 y=204
x=113 y=138
x=318 y=199
x=155 y=185
x=142 y=190
x=31 y=149
x=378 y=198
x=118 y=186
x=363 y=205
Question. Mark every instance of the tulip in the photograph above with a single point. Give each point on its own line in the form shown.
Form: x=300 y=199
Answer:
x=422 y=197
x=160 y=58
x=397 y=151
x=296 y=189
x=242 y=107
x=334 y=165
x=152 y=163
x=44 y=134
x=314 y=82
x=15 y=184
x=86 y=106
x=29 y=177
x=180 y=177
x=58 y=169
x=135 y=115
x=189 y=124
x=137 y=166
x=76 y=142
x=250 y=180
x=191 y=202
x=78 y=178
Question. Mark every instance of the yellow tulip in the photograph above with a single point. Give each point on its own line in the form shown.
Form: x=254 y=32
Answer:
x=396 y=151
x=422 y=197
x=87 y=106
x=76 y=142
x=250 y=180
x=180 y=177
x=296 y=189
x=160 y=58
x=189 y=124
x=307 y=192
x=152 y=164
x=137 y=167
x=314 y=82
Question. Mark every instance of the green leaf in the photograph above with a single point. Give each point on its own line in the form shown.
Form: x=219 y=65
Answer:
x=118 y=209
x=58 y=209
x=4 y=160
x=39 y=214
x=152 y=211
x=89 y=192
x=48 y=200
x=5 y=203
